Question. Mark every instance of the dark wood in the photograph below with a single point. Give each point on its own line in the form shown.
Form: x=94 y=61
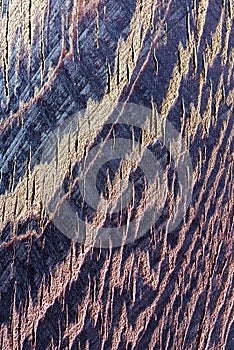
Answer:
x=166 y=290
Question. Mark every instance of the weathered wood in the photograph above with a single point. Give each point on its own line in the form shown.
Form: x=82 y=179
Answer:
x=166 y=290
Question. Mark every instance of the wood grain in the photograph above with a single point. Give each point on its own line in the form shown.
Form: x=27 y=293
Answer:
x=167 y=290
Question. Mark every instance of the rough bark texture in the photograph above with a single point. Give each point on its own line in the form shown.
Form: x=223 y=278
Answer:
x=166 y=290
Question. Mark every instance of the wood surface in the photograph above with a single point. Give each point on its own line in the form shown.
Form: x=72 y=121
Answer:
x=166 y=290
